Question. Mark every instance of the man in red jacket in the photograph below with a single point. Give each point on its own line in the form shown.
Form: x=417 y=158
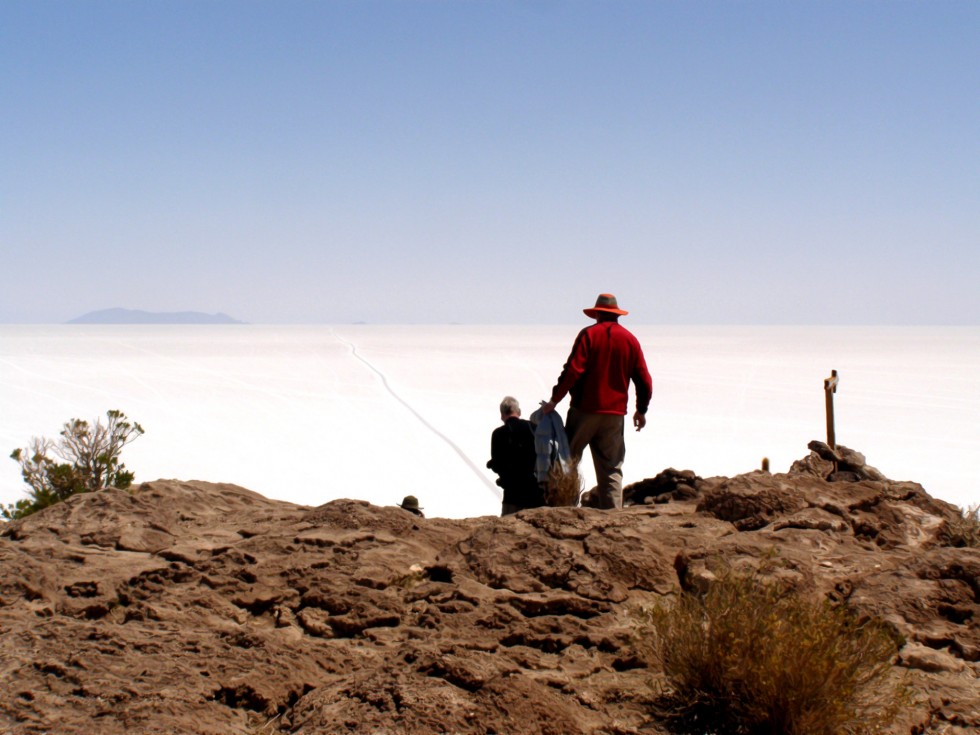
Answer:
x=604 y=359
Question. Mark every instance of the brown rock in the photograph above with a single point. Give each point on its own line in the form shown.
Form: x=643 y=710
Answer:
x=812 y=465
x=918 y=656
x=671 y=483
x=751 y=501
x=200 y=608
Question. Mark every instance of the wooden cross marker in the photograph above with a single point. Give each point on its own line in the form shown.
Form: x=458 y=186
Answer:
x=830 y=387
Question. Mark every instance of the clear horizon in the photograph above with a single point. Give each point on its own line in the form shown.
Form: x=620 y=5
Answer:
x=572 y=322
x=709 y=162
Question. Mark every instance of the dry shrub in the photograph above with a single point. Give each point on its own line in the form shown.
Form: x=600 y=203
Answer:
x=564 y=485
x=964 y=530
x=752 y=658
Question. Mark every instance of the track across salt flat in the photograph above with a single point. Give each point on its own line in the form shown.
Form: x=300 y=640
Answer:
x=411 y=409
x=296 y=413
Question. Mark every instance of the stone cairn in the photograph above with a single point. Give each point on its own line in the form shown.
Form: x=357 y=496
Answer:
x=836 y=464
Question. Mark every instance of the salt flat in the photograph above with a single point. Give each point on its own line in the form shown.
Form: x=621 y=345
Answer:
x=313 y=413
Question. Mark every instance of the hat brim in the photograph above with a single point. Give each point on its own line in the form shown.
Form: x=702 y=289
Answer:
x=593 y=313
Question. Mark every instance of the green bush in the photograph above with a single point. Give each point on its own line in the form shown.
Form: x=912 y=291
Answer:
x=753 y=658
x=89 y=455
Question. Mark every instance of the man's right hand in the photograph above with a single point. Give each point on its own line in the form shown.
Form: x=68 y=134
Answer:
x=547 y=407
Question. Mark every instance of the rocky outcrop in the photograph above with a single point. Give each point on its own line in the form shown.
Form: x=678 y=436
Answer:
x=669 y=485
x=204 y=608
x=837 y=464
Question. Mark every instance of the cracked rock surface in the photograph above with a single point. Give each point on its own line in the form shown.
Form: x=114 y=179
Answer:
x=194 y=607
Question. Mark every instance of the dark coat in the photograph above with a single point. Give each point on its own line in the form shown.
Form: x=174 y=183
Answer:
x=513 y=456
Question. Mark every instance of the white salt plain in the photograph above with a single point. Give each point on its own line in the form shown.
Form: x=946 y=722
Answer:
x=313 y=413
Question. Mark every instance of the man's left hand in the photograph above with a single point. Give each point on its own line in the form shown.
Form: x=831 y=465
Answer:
x=639 y=420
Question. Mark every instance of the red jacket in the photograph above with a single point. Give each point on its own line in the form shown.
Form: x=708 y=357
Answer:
x=604 y=359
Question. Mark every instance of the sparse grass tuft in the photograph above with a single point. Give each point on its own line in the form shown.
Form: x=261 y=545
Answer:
x=964 y=530
x=754 y=658
x=263 y=726
x=416 y=575
x=564 y=485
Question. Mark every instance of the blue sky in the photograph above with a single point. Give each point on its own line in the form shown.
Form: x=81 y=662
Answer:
x=492 y=162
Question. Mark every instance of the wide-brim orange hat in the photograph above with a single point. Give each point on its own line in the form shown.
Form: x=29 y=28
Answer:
x=605 y=302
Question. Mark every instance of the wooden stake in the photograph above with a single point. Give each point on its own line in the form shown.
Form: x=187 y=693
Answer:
x=830 y=387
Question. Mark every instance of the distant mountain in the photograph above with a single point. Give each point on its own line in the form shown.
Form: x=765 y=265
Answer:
x=135 y=316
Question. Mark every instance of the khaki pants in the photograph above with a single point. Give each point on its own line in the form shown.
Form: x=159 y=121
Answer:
x=603 y=434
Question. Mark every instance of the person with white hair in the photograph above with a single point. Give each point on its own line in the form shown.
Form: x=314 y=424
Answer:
x=513 y=457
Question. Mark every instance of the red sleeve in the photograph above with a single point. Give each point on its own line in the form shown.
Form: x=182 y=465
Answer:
x=643 y=382
x=574 y=367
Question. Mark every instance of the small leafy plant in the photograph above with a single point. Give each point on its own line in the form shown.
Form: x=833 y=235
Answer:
x=89 y=457
x=750 y=658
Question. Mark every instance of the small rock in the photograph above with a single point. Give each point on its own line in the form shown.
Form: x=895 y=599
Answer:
x=918 y=656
